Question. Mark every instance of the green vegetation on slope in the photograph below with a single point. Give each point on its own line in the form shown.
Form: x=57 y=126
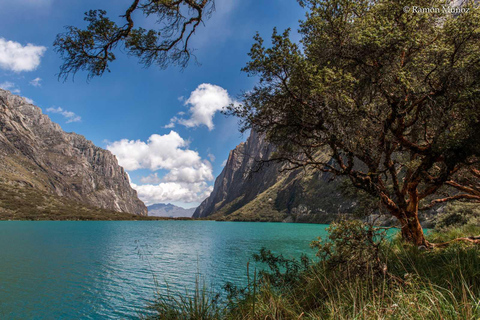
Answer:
x=296 y=197
x=260 y=209
x=24 y=203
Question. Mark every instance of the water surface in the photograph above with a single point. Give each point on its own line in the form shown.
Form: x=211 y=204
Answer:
x=106 y=269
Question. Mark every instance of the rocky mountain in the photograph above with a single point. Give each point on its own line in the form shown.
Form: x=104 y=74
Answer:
x=169 y=211
x=35 y=153
x=246 y=191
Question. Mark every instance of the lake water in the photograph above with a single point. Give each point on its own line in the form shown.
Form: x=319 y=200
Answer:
x=106 y=269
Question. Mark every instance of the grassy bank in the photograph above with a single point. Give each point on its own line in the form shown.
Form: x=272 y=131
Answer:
x=358 y=275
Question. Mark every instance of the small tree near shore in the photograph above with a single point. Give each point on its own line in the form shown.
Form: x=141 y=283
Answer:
x=392 y=95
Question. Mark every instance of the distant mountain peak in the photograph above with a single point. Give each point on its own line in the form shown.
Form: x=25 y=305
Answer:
x=169 y=210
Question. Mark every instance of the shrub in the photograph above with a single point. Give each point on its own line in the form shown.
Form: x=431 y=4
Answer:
x=352 y=248
x=458 y=215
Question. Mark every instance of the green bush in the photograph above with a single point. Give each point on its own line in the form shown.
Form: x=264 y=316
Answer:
x=458 y=215
x=352 y=249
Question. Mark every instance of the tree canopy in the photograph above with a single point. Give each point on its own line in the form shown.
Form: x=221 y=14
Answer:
x=392 y=95
x=92 y=49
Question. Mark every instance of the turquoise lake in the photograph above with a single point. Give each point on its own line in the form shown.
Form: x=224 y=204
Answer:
x=106 y=269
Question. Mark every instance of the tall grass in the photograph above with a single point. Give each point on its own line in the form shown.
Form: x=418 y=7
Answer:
x=437 y=284
x=201 y=303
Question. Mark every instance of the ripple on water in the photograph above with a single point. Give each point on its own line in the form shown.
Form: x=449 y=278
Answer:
x=106 y=270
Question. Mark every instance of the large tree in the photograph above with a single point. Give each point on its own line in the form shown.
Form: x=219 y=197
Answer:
x=391 y=93
x=92 y=49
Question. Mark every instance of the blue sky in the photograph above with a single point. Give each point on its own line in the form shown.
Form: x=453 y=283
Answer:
x=129 y=110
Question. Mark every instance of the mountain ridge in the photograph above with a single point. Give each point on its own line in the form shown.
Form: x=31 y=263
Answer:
x=246 y=190
x=169 y=210
x=36 y=153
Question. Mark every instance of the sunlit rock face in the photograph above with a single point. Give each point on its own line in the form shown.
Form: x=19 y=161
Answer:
x=36 y=153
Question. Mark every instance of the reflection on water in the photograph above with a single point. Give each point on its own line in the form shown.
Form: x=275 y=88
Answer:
x=106 y=270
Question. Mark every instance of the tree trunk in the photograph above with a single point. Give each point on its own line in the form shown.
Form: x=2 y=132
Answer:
x=411 y=229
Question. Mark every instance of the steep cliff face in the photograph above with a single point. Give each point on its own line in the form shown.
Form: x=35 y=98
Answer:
x=36 y=153
x=245 y=191
x=237 y=184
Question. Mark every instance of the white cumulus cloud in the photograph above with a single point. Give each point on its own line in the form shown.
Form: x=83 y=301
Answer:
x=200 y=172
x=151 y=178
x=36 y=82
x=172 y=192
x=168 y=151
x=69 y=115
x=204 y=102
x=187 y=174
x=16 y=57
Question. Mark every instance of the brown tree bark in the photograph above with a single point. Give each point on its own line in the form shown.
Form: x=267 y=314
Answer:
x=412 y=231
